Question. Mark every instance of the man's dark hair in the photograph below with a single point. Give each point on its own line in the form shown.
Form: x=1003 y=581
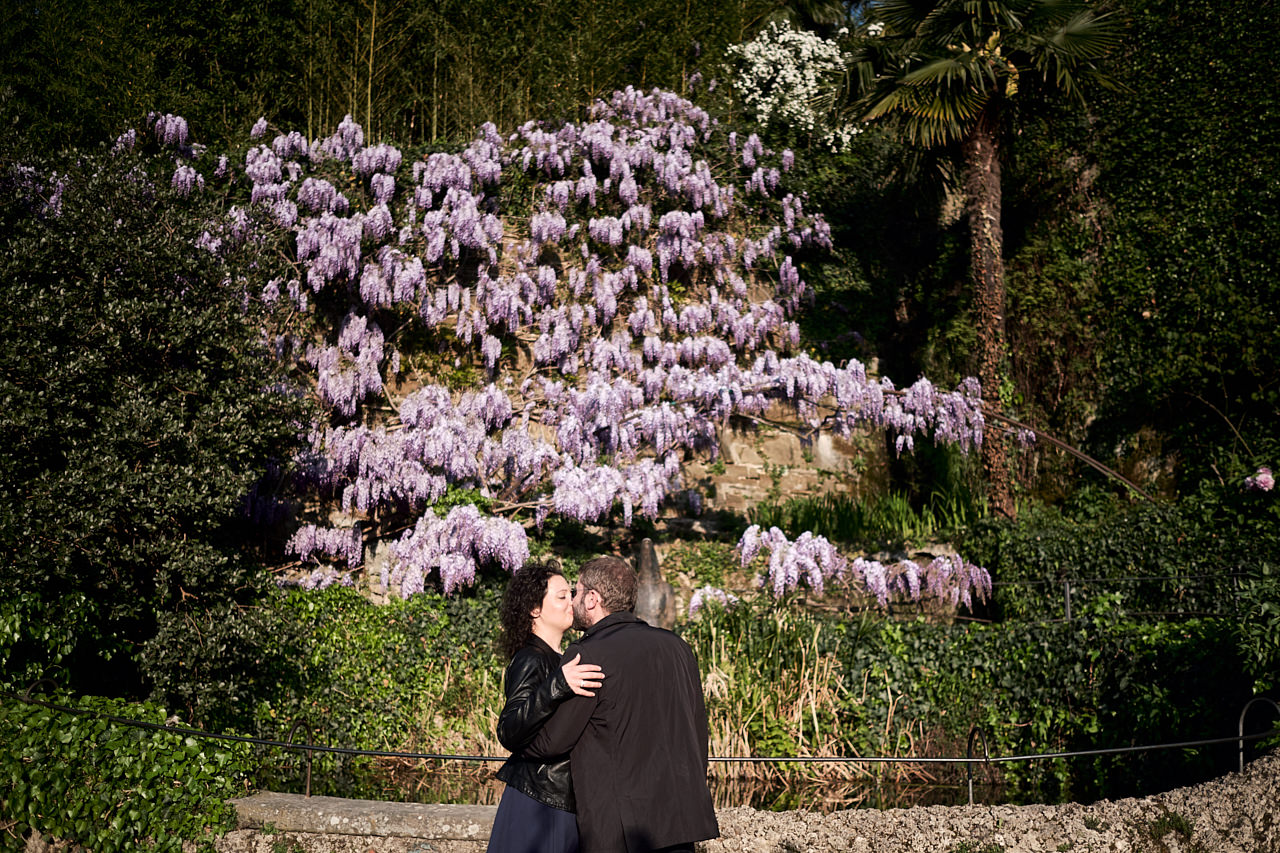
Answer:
x=525 y=591
x=614 y=579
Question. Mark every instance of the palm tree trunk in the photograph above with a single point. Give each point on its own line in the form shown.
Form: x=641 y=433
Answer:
x=981 y=177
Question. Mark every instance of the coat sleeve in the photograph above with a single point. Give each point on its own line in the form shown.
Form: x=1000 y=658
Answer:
x=559 y=734
x=533 y=692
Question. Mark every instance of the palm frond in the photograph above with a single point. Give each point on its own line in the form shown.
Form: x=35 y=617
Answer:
x=904 y=17
x=1087 y=36
x=942 y=63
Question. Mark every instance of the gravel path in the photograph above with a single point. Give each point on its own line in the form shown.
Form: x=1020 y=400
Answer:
x=1237 y=813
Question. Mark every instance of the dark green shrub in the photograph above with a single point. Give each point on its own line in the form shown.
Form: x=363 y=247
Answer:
x=1169 y=557
x=707 y=563
x=216 y=665
x=138 y=413
x=1187 y=165
x=421 y=675
x=1259 y=627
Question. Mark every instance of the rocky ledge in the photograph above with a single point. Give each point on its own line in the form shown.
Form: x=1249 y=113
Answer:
x=1237 y=813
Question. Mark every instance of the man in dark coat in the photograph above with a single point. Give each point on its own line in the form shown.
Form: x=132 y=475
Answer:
x=638 y=748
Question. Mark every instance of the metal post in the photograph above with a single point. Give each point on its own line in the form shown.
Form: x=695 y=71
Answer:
x=986 y=756
x=1247 y=706
x=307 y=752
x=26 y=696
x=1066 y=594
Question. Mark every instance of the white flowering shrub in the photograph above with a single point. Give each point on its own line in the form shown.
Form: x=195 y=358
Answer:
x=783 y=75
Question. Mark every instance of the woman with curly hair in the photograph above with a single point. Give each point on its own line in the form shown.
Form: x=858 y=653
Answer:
x=536 y=814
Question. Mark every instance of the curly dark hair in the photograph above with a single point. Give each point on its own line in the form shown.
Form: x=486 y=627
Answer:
x=525 y=591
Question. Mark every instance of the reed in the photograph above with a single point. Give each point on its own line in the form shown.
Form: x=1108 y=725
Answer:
x=459 y=720
x=775 y=688
x=871 y=522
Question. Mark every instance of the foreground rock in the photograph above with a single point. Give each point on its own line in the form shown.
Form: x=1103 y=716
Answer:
x=1237 y=813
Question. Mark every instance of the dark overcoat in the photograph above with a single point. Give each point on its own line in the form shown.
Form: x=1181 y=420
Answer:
x=638 y=748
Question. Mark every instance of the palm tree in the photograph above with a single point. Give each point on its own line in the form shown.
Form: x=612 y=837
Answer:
x=823 y=17
x=949 y=74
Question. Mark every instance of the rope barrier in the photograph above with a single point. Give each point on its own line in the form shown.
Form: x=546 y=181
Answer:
x=309 y=747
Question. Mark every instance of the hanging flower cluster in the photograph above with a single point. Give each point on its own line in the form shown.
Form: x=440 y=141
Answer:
x=555 y=319
x=710 y=595
x=812 y=561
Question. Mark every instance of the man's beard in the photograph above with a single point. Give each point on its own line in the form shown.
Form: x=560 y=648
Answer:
x=580 y=618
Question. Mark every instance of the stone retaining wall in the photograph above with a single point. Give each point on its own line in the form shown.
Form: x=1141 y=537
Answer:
x=764 y=464
x=1236 y=813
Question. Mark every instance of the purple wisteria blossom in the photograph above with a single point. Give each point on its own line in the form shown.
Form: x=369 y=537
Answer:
x=187 y=180
x=1261 y=481
x=566 y=357
x=708 y=594
x=376 y=159
x=344 y=543
x=351 y=371
x=170 y=129
x=292 y=144
x=454 y=546
x=125 y=142
x=811 y=561
x=344 y=144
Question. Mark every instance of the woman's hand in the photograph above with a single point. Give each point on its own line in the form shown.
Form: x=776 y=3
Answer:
x=582 y=677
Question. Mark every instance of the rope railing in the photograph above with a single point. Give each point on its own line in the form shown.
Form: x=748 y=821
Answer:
x=969 y=760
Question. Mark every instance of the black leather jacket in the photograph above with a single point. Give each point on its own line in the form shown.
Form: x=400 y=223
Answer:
x=535 y=685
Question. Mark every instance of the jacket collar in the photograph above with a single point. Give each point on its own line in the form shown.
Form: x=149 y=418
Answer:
x=540 y=644
x=619 y=618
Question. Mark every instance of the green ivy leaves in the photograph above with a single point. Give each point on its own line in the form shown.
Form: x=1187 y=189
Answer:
x=109 y=786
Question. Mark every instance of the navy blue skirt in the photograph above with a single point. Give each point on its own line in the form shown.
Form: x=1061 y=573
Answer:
x=524 y=825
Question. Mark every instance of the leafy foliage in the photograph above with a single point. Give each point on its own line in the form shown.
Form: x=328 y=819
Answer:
x=89 y=780
x=1189 y=169
x=1259 y=626
x=421 y=674
x=871 y=523
x=1099 y=681
x=1188 y=555
x=706 y=563
x=416 y=72
x=941 y=66
x=137 y=416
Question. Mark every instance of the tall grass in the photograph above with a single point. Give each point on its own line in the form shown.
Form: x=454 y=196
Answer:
x=774 y=687
x=463 y=721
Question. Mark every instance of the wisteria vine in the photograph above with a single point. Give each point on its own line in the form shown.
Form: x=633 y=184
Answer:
x=555 y=320
x=813 y=561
